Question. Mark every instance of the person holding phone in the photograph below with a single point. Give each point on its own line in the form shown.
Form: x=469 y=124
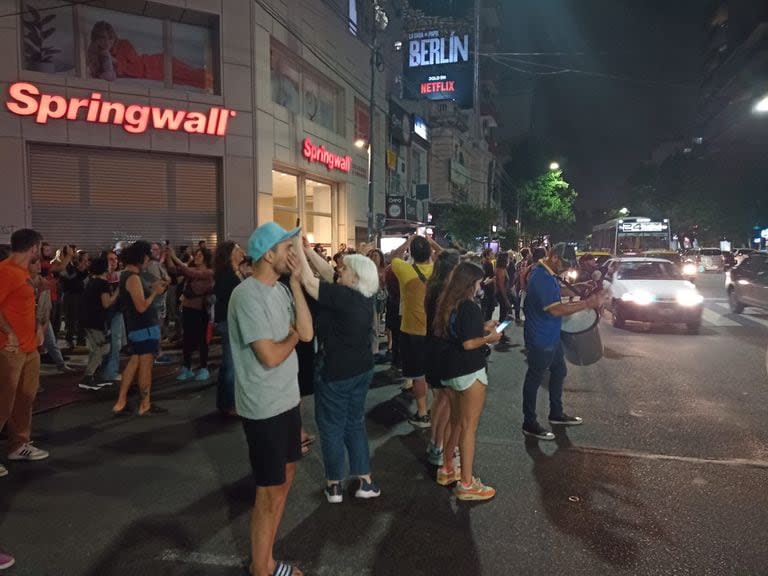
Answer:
x=459 y=323
x=143 y=326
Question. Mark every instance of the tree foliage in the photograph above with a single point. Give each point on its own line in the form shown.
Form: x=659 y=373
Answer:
x=546 y=203
x=466 y=222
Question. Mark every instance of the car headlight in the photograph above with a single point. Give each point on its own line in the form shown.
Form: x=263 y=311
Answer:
x=689 y=298
x=639 y=297
x=573 y=274
x=689 y=270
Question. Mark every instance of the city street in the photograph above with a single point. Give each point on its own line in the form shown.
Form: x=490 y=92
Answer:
x=668 y=475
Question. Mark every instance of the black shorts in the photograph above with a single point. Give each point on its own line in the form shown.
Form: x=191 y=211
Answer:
x=392 y=319
x=273 y=443
x=413 y=352
x=432 y=359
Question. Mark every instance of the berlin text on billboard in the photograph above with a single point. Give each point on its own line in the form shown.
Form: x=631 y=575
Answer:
x=434 y=51
x=27 y=100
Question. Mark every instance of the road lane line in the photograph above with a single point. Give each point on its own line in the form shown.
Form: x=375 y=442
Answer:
x=735 y=462
x=618 y=453
x=202 y=558
x=715 y=319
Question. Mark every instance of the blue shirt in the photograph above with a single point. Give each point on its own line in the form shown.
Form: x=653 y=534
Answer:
x=542 y=329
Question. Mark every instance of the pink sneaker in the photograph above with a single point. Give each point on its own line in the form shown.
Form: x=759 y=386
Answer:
x=6 y=561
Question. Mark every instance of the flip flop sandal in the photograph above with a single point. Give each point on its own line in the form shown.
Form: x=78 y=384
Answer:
x=283 y=569
x=122 y=413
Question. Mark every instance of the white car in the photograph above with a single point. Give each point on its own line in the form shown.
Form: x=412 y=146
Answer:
x=651 y=290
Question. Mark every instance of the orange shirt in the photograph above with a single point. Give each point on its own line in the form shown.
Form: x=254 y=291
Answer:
x=17 y=305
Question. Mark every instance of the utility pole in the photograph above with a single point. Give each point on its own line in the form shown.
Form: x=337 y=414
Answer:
x=380 y=20
x=371 y=163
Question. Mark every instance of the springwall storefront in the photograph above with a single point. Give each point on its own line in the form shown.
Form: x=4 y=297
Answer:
x=142 y=122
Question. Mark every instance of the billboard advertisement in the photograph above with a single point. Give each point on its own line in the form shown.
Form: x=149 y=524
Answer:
x=438 y=66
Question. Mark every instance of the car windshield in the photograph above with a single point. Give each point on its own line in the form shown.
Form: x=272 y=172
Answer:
x=648 y=271
x=711 y=252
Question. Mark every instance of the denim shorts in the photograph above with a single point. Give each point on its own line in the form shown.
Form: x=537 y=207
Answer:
x=145 y=340
x=461 y=383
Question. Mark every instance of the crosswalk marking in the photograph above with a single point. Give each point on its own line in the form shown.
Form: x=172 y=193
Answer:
x=745 y=316
x=714 y=319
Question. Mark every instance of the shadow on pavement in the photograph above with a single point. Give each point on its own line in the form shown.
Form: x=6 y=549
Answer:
x=414 y=527
x=592 y=501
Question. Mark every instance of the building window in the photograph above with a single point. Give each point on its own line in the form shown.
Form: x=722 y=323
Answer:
x=179 y=50
x=302 y=90
x=300 y=201
x=362 y=120
x=285 y=82
x=353 y=17
x=320 y=101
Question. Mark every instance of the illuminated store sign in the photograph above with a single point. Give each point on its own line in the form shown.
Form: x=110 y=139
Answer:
x=439 y=67
x=26 y=99
x=321 y=155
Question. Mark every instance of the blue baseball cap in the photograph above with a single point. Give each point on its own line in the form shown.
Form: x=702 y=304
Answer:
x=267 y=236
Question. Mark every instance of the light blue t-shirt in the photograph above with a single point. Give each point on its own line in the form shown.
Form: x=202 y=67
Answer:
x=261 y=312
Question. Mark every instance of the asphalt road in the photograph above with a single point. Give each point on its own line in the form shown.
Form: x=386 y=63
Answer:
x=669 y=475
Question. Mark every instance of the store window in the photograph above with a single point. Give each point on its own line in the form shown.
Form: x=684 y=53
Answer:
x=304 y=91
x=285 y=81
x=179 y=50
x=307 y=202
x=285 y=198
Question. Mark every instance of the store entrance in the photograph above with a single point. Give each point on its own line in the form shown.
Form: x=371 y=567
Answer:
x=299 y=200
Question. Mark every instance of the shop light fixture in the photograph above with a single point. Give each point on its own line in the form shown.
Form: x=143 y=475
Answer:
x=360 y=143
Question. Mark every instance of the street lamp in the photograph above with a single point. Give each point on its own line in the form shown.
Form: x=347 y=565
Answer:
x=554 y=166
x=359 y=143
x=762 y=105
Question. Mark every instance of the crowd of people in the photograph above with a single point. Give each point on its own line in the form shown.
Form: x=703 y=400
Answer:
x=292 y=322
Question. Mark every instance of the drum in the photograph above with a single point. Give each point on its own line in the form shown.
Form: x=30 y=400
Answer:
x=581 y=338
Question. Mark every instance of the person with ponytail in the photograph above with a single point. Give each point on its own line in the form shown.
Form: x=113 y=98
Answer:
x=459 y=323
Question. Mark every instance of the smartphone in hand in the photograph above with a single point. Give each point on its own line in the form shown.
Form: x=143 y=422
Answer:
x=503 y=325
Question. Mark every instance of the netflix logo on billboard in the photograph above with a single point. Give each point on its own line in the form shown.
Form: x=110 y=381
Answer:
x=439 y=67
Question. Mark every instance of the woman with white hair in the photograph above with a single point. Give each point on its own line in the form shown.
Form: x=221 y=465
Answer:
x=345 y=329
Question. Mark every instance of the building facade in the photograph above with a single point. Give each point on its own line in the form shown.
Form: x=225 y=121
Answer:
x=184 y=120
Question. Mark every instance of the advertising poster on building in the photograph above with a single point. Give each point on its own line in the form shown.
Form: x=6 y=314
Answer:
x=438 y=66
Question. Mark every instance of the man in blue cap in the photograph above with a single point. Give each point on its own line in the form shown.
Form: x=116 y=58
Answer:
x=266 y=320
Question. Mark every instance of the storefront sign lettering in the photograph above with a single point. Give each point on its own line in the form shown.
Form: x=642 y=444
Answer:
x=27 y=100
x=321 y=155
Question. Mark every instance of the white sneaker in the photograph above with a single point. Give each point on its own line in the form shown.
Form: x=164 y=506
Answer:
x=28 y=452
x=3 y=471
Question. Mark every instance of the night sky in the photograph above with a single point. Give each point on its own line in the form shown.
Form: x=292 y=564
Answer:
x=601 y=128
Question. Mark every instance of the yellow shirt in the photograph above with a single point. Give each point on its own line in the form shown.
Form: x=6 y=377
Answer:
x=412 y=294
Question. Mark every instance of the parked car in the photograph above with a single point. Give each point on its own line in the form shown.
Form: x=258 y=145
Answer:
x=686 y=266
x=741 y=254
x=747 y=283
x=652 y=290
x=707 y=259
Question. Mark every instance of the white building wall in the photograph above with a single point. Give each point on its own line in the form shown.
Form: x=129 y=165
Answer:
x=261 y=134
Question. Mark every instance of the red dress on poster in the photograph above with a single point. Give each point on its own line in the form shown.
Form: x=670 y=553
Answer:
x=130 y=64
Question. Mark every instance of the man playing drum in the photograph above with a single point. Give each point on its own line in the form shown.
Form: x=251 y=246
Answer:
x=543 y=312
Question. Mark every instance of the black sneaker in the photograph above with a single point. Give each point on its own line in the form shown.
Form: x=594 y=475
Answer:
x=417 y=421
x=538 y=431
x=367 y=490
x=333 y=493
x=566 y=420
